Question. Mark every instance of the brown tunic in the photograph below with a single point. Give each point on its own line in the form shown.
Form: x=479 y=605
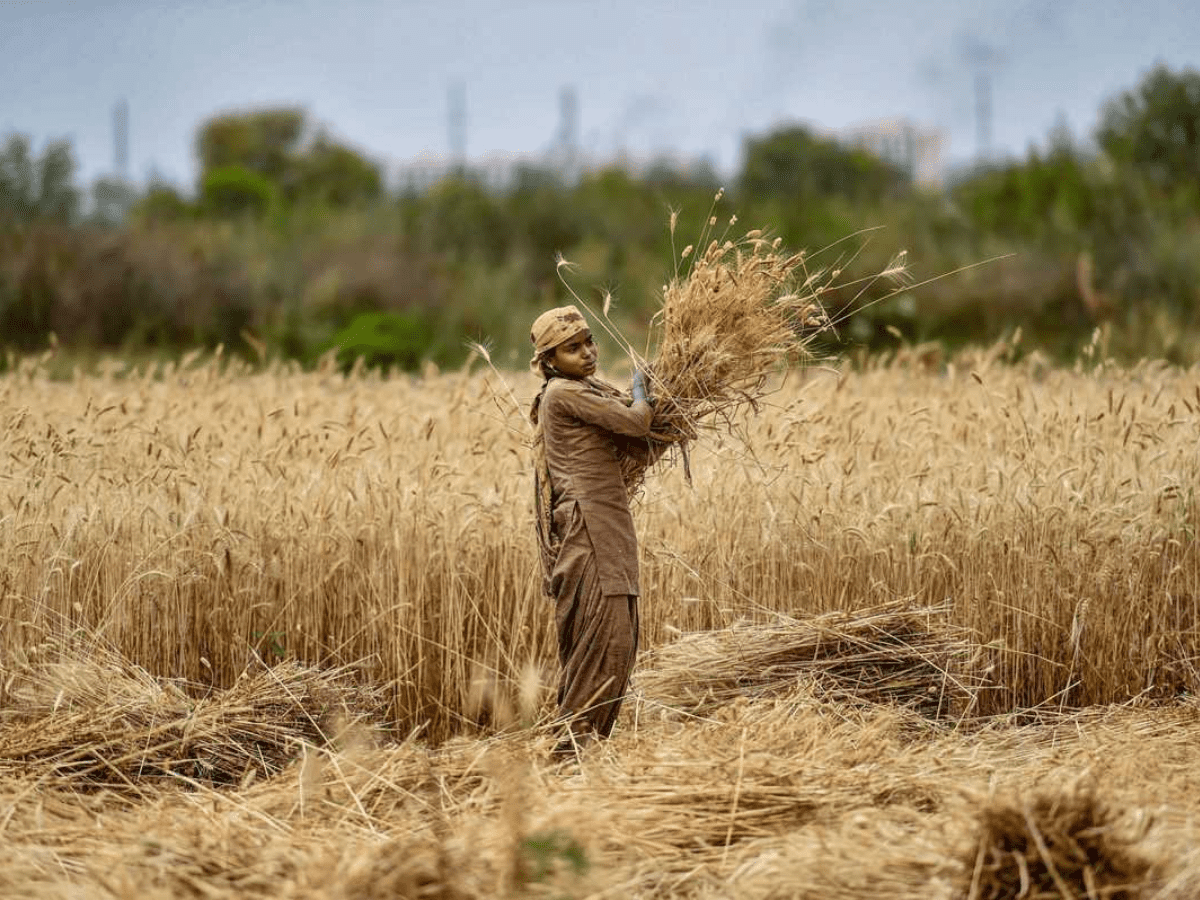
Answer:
x=581 y=422
x=589 y=548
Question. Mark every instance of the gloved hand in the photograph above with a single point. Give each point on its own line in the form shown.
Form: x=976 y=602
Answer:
x=639 y=385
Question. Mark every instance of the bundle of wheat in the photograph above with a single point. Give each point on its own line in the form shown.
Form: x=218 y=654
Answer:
x=91 y=718
x=893 y=653
x=728 y=323
x=724 y=328
x=1065 y=844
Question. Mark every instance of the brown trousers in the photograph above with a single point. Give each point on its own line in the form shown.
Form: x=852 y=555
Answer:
x=597 y=645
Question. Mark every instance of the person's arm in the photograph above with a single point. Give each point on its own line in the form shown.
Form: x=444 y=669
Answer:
x=610 y=413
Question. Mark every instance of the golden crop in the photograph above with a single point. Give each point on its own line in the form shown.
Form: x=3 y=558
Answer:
x=195 y=518
x=202 y=519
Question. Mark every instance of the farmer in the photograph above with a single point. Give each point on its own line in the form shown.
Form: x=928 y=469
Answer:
x=585 y=530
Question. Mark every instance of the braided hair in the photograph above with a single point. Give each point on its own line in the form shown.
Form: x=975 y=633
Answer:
x=546 y=369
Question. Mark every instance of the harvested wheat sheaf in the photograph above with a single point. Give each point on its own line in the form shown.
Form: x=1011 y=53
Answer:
x=727 y=325
x=724 y=328
x=91 y=719
x=1065 y=844
x=894 y=654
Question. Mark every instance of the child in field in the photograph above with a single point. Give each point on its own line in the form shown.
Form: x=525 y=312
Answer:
x=585 y=529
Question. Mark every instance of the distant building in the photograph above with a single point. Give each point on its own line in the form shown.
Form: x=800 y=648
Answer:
x=915 y=149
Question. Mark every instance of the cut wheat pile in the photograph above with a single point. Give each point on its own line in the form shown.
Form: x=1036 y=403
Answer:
x=892 y=654
x=90 y=718
x=1061 y=844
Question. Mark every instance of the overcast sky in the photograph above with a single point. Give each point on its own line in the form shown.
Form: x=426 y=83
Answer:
x=649 y=76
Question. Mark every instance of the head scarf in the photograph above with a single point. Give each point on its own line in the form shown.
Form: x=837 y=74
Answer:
x=553 y=327
x=549 y=330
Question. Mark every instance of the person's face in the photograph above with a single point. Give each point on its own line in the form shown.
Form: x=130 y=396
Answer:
x=576 y=357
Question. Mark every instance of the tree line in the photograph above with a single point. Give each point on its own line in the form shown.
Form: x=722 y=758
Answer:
x=294 y=242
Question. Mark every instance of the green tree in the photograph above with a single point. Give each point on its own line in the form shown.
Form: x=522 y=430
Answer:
x=796 y=165
x=459 y=218
x=1154 y=129
x=668 y=174
x=1049 y=196
x=540 y=216
x=17 y=193
x=37 y=188
x=236 y=191
x=331 y=173
x=621 y=211
x=264 y=141
x=58 y=197
x=162 y=202
x=273 y=145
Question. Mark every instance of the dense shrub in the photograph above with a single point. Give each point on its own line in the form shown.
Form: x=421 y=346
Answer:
x=36 y=187
x=109 y=288
x=385 y=340
x=232 y=191
x=1154 y=129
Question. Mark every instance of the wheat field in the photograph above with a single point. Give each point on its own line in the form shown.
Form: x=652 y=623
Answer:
x=279 y=633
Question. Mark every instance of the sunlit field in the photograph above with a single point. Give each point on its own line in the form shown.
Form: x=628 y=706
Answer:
x=925 y=630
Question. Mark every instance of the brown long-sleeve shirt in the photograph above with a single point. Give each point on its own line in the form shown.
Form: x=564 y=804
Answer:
x=580 y=420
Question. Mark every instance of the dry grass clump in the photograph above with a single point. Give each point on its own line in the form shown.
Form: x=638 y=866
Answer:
x=894 y=654
x=92 y=719
x=754 y=771
x=1062 y=845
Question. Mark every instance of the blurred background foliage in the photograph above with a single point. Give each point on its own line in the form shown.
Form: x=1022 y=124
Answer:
x=293 y=244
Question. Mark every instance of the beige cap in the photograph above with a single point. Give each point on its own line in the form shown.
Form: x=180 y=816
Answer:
x=553 y=327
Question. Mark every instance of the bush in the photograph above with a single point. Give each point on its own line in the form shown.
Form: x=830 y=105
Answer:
x=119 y=288
x=161 y=203
x=1154 y=130
x=41 y=188
x=459 y=219
x=798 y=166
x=385 y=340
x=332 y=174
x=233 y=191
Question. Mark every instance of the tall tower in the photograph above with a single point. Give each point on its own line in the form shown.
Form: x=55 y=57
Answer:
x=121 y=139
x=983 y=115
x=457 y=125
x=568 y=134
x=982 y=58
